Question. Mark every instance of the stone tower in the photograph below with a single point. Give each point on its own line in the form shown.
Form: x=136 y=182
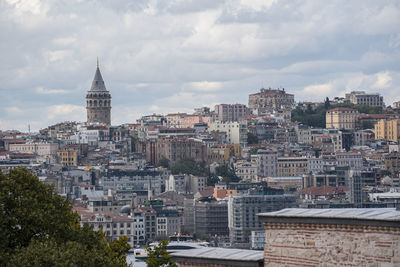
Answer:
x=98 y=101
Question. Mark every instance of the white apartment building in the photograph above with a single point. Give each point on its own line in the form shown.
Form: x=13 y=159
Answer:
x=247 y=171
x=236 y=132
x=267 y=161
x=362 y=98
x=185 y=183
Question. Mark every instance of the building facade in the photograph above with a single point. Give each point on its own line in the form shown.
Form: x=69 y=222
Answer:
x=231 y=112
x=270 y=100
x=388 y=130
x=361 y=98
x=341 y=118
x=98 y=101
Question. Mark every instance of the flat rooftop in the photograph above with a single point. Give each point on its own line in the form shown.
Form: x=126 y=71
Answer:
x=358 y=216
x=212 y=255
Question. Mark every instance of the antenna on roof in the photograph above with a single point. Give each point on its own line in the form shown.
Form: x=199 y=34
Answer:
x=97 y=62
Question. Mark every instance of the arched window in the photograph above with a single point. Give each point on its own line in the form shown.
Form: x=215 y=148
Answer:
x=90 y=103
x=100 y=103
x=95 y=103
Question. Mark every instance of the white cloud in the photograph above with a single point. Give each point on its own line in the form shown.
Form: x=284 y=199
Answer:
x=167 y=56
x=383 y=80
x=41 y=90
x=12 y=111
x=66 y=112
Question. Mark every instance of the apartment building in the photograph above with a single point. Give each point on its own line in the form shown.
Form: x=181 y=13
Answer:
x=231 y=112
x=40 y=149
x=292 y=166
x=341 y=118
x=221 y=154
x=267 y=163
x=388 y=130
x=236 y=132
x=113 y=225
x=362 y=98
x=271 y=100
x=246 y=171
x=243 y=210
x=206 y=216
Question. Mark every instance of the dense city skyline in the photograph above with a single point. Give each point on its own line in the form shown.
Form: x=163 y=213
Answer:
x=159 y=57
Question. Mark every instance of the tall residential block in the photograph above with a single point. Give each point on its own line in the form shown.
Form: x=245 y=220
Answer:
x=341 y=118
x=231 y=112
x=388 y=130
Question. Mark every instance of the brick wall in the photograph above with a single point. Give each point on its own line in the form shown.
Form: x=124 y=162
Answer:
x=292 y=244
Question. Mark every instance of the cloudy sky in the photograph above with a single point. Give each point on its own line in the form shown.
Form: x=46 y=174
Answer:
x=168 y=56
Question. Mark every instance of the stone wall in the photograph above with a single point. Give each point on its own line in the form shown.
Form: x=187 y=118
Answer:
x=306 y=244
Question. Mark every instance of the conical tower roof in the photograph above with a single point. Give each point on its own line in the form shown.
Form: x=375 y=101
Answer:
x=98 y=82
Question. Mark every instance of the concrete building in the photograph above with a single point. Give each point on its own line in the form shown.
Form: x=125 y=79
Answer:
x=231 y=112
x=292 y=166
x=267 y=163
x=271 y=100
x=236 y=132
x=332 y=237
x=243 y=210
x=139 y=237
x=185 y=183
x=131 y=181
x=206 y=216
x=341 y=118
x=388 y=130
x=258 y=239
x=361 y=98
x=98 y=101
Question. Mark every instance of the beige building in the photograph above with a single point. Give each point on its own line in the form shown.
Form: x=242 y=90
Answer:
x=292 y=166
x=222 y=153
x=68 y=157
x=341 y=118
x=388 y=130
x=40 y=149
x=270 y=100
x=111 y=224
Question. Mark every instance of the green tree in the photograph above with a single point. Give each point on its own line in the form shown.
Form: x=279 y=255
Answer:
x=327 y=103
x=158 y=256
x=163 y=163
x=33 y=213
x=254 y=150
x=227 y=173
x=188 y=166
x=252 y=138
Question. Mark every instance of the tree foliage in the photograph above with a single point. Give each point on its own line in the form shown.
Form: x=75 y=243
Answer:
x=188 y=166
x=37 y=223
x=255 y=149
x=227 y=173
x=252 y=138
x=158 y=256
x=163 y=163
